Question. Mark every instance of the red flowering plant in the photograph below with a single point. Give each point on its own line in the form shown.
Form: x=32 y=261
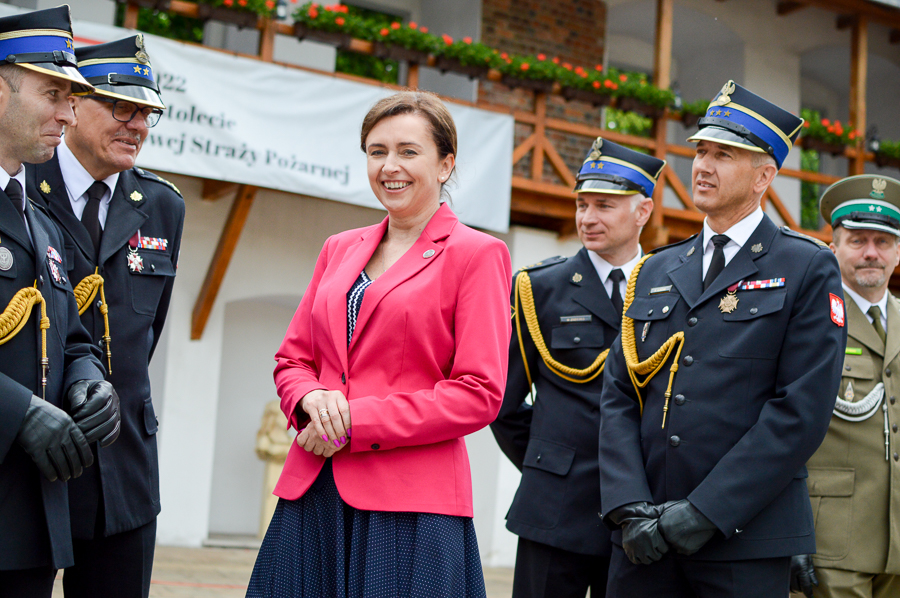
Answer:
x=538 y=67
x=469 y=52
x=263 y=8
x=826 y=130
x=335 y=18
x=595 y=79
x=410 y=36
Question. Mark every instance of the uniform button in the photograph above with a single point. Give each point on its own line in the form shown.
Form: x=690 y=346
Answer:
x=688 y=360
x=679 y=399
x=343 y=378
x=887 y=373
x=753 y=310
x=894 y=427
x=153 y=267
x=538 y=459
x=64 y=279
x=650 y=313
x=376 y=446
x=576 y=340
x=896 y=457
x=847 y=367
x=665 y=309
x=893 y=400
x=674 y=440
x=100 y=343
x=99 y=304
x=41 y=278
x=692 y=321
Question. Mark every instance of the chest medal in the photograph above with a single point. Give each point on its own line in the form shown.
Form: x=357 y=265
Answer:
x=135 y=261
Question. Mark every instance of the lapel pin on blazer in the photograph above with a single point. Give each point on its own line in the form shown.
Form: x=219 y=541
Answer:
x=690 y=252
x=45 y=188
x=576 y=278
x=135 y=196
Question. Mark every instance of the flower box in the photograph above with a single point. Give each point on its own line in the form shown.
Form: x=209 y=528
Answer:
x=812 y=143
x=241 y=18
x=587 y=96
x=332 y=38
x=161 y=5
x=628 y=104
x=536 y=85
x=689 y=121
x=445 y=64
x=392 y=52
x=883 y=160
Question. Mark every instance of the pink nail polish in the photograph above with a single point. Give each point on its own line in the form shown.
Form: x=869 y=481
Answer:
x=336 y=443
x=348 y=432
x=343 y=440
x=324 y=437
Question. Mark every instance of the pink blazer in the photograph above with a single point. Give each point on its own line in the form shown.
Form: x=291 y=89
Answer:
x=427 y=365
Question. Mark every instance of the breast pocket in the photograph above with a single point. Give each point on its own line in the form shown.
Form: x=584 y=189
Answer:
x=749 y=327
x=147 y=284
x=580 y=335
x=831 y=493
x=653 y=324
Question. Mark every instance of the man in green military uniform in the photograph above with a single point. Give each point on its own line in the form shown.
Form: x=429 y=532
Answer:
x=853 y=476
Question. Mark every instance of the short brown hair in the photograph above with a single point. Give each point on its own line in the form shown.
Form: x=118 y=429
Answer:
x=423 y=103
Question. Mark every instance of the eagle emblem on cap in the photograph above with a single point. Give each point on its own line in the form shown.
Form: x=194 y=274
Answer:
x=725 y=94
x=878 y=187
x=595 y=150
x=141 y=54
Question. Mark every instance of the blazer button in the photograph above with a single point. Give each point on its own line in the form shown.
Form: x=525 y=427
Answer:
x=674 y=440
x=887 y=373
x=99 y=304
x=376 y=446
x=153 y=267
x=343 y=378
x=538 y=459
x=893 y=400
x=41 y=278
x=576 y=340
x=894 y=427
x=896 y=457
x=679 y=399
x=753 y=310
x=688 y=360
x=692 y=321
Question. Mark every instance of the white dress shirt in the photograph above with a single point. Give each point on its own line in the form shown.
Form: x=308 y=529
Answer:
x=604 y=268
x=78 y=181
x=738 y=235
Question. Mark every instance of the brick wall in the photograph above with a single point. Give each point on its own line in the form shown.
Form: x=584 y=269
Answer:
x=570 y=29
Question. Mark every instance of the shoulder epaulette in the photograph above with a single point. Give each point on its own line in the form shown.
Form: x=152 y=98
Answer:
x=146 y=174
x=675 y=244
x=787 y=230
x=544 y=263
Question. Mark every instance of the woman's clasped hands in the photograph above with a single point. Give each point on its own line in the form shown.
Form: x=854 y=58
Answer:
x=328 y=430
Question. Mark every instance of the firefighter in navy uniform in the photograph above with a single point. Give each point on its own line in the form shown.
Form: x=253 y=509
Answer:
x=567 y=314
x=53 y=400
x=721 y=385
x=122 y=228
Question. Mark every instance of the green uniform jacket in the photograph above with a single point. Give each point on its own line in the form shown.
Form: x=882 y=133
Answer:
x=854 y=489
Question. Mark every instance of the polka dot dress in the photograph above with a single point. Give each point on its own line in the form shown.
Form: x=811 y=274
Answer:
x=320 y=547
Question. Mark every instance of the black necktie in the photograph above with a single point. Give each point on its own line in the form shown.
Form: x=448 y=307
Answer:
x=617 y=276
x=90 y=218
x=14 y=192
x=717 y=263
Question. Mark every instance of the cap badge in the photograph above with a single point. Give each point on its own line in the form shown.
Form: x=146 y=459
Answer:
x=849 y=394
x=757 y=248
x=878 y=187
x=141 y=54
x=577 y=277
x=136 y=196
x=45 y=188
x=725 y=94
x=595 y=150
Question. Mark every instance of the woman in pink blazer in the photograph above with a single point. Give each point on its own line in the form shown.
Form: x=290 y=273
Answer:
x=397 y=350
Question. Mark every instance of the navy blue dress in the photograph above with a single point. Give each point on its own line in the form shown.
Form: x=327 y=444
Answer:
x=318 y=546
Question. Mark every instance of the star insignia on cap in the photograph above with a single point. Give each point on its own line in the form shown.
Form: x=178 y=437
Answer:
x=45 y=188
x=137 y=69
x=718 y=112
x=577 y=277
x=728 y=113
x=69 y=44
x=136 y=196
x=874 y=208
x=147 y=72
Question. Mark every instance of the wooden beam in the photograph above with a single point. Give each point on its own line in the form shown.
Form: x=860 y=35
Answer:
x=412 y=76
x=859 y=67
x=237 y=217
x=780 y=208
x=559 y=165
x=654 y=232
x=213 y=189
x=537 y=157
x=267 y=40
x=523 y=149
x=131 y=16
x=845 y=22
x=786 y=8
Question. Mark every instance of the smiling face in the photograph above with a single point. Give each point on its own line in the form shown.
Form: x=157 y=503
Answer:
x=610 y=224
x=33 y=119
x=103 y=145
x=404 y=167
x=867 y=258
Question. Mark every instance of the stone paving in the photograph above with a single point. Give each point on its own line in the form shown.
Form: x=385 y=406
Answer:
x=223 y=573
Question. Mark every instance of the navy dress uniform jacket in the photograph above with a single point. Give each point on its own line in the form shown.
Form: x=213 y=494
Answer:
x=751 y=400
x=138 y=302
x=554 y=443
x=34 y=512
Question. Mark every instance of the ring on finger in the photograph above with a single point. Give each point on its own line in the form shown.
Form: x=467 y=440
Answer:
x=323 y=414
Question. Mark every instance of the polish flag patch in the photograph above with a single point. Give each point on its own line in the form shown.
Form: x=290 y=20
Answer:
x=837 y=309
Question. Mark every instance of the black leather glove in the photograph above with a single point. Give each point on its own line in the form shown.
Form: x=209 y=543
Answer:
x=641 y=539
x=53 y=441
x=684 y=527
x=94 y=405
x=803 y=575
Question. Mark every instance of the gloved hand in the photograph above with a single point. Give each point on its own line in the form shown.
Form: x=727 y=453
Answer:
x=803 y=575
x=53 y=441
x=684 y=527
x=94 y=405
x=641 y=539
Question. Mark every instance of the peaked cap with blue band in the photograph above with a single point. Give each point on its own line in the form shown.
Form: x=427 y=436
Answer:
x=611 y=168
x=740 y=118
x=864 y=201
x=121 y=70
x=42 y=41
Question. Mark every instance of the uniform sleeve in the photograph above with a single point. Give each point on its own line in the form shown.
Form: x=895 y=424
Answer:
x=14 y=400
x=512 y=427
x=470 y=397
x=793 y=423
x=622 y=476
x=296 y=372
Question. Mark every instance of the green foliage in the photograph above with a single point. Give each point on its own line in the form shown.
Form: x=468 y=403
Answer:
x=165 y=25
x=263 y=8
x=628 y=123
x=370 y=67
x=825 y=130
x=809 y=192
x=470 y=53
x=697 y=108
x=890 y=149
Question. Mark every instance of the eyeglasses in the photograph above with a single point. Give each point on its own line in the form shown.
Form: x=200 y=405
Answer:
x=125 y=111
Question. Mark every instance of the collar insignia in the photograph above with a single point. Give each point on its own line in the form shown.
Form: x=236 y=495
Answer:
x=757 y=248
x=577 y=277
x=45 y=188
x=135 y=196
